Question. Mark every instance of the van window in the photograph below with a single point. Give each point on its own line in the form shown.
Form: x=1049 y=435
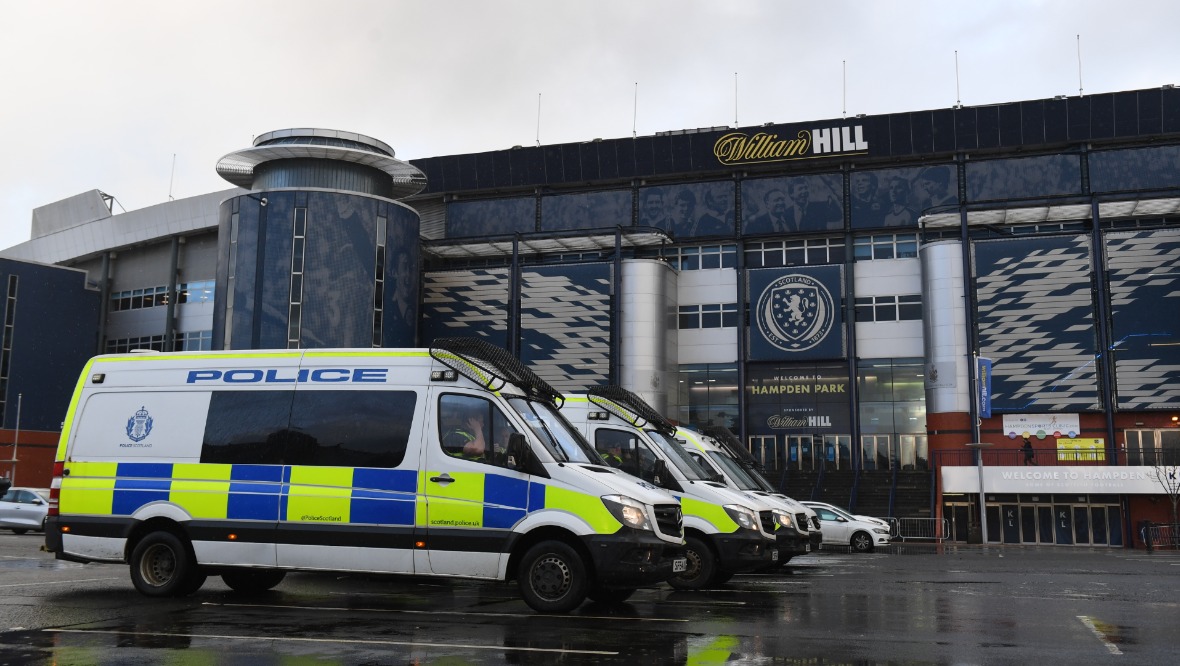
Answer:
x=617 y=449
x=473 y=429
x=350 y=428
x=246 y=427
x=329 y=428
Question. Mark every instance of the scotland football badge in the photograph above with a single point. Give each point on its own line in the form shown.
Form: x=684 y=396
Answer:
x=795 y=312
x=139 y=426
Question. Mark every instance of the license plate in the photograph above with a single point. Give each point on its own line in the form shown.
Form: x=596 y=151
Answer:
x=774 y=555
x=808 y=548
x=680 y=565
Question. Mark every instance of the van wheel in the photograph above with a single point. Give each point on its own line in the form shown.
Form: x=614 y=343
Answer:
x=701 y=566
x=552 y=578
x=161 y=566
x=611 y=595
x=862 y=542
x=247 y=581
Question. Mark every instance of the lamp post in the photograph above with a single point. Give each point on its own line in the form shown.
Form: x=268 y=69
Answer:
x=978 y=447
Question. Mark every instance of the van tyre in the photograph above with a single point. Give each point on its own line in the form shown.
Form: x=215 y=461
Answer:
x=163 y=566
x=611 y=595
x=248 y=581
x=552 y=578
x=702 y=566
x=862 y=542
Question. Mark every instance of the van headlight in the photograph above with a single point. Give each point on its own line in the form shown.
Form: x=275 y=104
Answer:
x=627 y=511
x=783 y=518
x=744 y=517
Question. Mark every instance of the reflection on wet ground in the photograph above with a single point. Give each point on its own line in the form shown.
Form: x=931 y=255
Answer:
x=935 y=605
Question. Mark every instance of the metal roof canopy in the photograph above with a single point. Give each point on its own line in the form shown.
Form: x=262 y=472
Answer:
x=581 y=241
x=1048 y=212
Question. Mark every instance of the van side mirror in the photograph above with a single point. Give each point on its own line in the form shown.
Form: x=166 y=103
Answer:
x=659 y=473
x=519 y=457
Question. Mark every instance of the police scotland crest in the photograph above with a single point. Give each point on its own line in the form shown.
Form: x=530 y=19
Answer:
x=139 y=426
x=795 y=312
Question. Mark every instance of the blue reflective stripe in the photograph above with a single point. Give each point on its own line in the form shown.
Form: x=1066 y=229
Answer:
x=127 y=502
x=144 y=470
x=143 y=484
x=272 y=473
x=252 y=506
x=497 y=517
x=536 y=496
x=505 y=491
x=397 y=480
x=382 y=509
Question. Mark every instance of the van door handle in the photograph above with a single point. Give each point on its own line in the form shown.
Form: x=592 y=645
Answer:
x=444 y=479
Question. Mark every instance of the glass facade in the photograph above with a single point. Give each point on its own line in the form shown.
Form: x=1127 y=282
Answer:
x=892 y=413
x=708 y=395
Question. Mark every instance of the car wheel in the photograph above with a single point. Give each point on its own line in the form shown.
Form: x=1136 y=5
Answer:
x=862 y=542
x=552 y=578
x=611 y=595
x=702 y=566
x=246 y=581
x=162 y=566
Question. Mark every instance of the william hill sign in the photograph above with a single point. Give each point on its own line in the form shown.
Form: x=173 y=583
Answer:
x=743 y=148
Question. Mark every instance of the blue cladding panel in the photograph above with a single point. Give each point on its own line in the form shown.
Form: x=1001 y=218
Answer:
x=1036 y=323
x=1146 y=328
x=565 y=324
x=471 y=303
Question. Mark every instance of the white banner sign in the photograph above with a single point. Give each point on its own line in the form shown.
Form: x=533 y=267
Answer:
x=1098 y=480
x=1042 y=425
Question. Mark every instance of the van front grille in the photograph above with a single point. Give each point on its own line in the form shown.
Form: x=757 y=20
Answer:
x=670 y=520
x=801 y=521
x=767 y=520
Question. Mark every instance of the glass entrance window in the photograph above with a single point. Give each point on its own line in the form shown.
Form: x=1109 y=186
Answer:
x=800 y=452
x=766 y=451
x=878 y=452
x=837 y=451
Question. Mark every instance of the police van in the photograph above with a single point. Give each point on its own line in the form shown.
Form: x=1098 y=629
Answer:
x=726 y=532
x=718 y=450
x=250 y=464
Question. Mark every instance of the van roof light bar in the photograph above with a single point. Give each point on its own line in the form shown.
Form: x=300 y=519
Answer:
x=492 y=367
x=629 y=407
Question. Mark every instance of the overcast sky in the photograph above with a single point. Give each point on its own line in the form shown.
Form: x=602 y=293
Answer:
x=109 y=95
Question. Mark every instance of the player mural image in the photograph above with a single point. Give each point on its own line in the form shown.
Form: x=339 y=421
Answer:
x=796 y=313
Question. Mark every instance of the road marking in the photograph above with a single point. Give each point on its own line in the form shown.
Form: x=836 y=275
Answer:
x=62 y=582
x=350 y=641
x=1090 y=623
x=465 y=613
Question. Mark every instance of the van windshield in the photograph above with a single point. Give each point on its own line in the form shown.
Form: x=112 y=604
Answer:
x=556 y=434
x=734 y=471
x=678 y=457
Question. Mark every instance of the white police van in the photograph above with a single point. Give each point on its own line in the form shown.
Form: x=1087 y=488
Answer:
x=250 y=464
x=725 y=531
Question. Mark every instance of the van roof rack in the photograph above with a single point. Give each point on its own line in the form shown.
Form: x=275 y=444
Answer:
x=629 y=407
x=492 y=367
x=731 y=443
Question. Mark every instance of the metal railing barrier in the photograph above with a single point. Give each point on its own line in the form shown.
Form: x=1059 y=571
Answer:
x=931 y=529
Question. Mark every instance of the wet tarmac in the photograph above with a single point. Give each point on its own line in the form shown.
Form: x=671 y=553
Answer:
x=908 y=604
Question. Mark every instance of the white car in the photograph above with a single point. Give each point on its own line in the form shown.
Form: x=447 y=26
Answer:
x=24 y=509
x=861 y=533
x=858 y=516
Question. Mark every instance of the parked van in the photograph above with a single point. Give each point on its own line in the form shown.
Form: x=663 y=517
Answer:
x=448 y=461
x=721 y=453
x=725 y=532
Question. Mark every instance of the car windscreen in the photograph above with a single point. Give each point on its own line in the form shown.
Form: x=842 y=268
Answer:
x=556 y=434
x=676 y=454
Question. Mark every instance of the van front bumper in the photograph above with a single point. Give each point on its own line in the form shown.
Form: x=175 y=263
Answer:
x=744 y=550
x=791 y=543
x=629 y=558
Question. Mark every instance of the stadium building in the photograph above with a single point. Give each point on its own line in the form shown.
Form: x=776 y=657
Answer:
x=882 y=308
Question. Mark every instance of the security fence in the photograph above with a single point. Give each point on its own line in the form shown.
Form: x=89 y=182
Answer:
x=930 y=529
x=1161 y=536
